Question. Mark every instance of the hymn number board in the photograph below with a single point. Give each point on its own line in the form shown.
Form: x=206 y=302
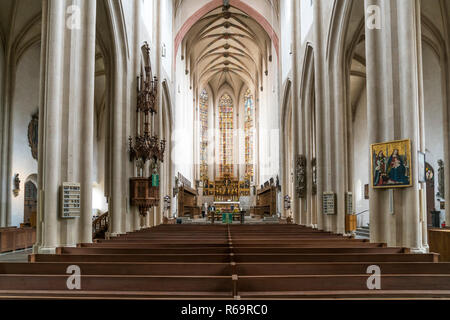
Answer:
x=349 y=202
x=71 y=200
x=329 y=203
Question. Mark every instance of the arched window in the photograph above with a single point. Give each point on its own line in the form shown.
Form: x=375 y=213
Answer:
x=249 y=123
x=203 y=135
x=226 y=135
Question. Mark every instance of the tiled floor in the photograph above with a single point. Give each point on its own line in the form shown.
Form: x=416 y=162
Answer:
x=17 y=256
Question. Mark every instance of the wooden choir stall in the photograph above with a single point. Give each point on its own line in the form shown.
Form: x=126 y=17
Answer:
x=266 y=202
x=187 y=202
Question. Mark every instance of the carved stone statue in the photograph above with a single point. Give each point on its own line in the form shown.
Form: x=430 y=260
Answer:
x=300 y=176
x=314 y=176
x=16 y=189
x=33 y=134
x=441 y=180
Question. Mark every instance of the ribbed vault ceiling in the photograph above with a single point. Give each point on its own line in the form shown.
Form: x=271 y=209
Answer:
x=226 y=46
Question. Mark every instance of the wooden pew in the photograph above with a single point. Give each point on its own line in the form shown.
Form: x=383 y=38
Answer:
x=149 y=285
x=120 y=268
x=347 y=257
x=12 y=238
x=328 y=268
x=264 y=261
x=336 y=286
x=130 y=258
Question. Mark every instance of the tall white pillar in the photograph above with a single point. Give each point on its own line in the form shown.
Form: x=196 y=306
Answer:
x=394 y=98
x=50 y=109
x=89 y=7
x=296 y=124
x=117 y=153
x=411 y=95
x=319 y=62
x=66 y=112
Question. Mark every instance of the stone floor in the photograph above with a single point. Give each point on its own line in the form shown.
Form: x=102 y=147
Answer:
x=16 y=256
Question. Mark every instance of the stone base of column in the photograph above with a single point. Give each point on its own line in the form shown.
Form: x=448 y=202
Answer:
x=43 y=250
x=112 y=234
x=419 y=250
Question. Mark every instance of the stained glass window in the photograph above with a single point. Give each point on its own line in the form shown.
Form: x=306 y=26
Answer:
x=226 y=135
x=203 y=109
x=249 y=109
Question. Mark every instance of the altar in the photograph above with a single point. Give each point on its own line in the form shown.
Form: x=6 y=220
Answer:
x=227 y=211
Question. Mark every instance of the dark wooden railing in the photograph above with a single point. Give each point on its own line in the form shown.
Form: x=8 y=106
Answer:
x=100 y=226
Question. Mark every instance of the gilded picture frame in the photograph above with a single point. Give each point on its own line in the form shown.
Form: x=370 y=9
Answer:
x=391 y=165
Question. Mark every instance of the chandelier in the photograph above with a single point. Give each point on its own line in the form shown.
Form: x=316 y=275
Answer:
x=146 y=146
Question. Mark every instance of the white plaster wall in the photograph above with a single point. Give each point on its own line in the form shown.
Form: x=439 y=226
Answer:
x=269 y=125
x=147 y=16
x=307 y=14
x=361 y=160
x=25 y=104
x=146 y=29
x=183 y=134
x=167 y=37
x=286 y=38
x=434 y=134
x=99 y=203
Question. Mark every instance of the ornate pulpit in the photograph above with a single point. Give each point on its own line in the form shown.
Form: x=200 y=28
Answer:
x=144 y=191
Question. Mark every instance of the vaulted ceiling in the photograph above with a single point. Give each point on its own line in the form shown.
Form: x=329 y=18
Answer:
x=275 y=4
x=226 y=46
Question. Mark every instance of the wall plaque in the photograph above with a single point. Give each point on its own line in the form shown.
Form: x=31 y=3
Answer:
x=70 y=200
x=329 y=203
x=349 y=202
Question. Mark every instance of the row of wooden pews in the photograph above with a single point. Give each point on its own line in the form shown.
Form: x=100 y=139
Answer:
x=228 y=262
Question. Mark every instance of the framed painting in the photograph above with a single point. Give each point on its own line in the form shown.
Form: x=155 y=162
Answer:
x=391 y=164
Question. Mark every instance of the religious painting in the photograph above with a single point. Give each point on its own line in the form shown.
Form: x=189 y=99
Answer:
x=391 y=164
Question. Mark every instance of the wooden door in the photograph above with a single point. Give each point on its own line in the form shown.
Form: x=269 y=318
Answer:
x=30 y=205
x=430 y=193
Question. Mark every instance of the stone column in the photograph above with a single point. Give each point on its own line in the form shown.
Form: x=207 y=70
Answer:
x=50 y=109
x=394 y=95
x=87 y=122
x=67 y=115
x=296 y=203
x=320 y=116
x=117 y=185
x=157 y=212
x=411 y=95
x=379 y=111
x=133 y=217
x=308 y=106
